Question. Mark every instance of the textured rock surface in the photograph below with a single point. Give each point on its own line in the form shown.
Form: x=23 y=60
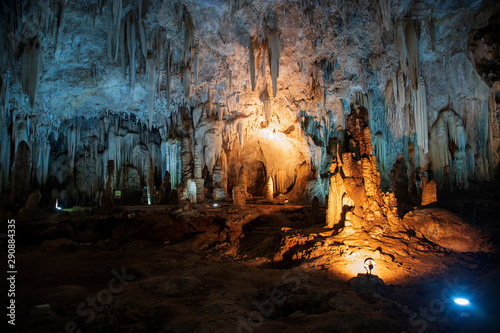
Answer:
x=192 y=84
x=447 y=230
x=355 y=198
x=429 y=193
x=240 y=190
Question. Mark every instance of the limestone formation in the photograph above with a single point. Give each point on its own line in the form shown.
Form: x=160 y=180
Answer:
x=447 y=230
x=355 y=200
x=268 y=190
x=429 y=193
x=240 y=190
x=107 y=202
x=195 y=84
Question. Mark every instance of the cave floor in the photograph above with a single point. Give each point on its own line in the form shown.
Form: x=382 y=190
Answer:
x=162 y=269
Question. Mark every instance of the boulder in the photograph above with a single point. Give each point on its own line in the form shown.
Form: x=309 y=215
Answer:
x=447 y=230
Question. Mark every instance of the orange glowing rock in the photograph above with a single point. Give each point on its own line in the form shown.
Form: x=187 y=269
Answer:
x=355 y=199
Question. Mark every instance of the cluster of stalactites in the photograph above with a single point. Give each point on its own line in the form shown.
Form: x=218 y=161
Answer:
x=448 y=150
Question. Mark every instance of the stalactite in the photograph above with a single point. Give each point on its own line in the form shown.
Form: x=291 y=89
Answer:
x=109 y=37
x=73 y=138
x=210 y=106
x=274 y=48
x=447 y=147
x=60 y=21
x=195 y=67
x=379 y=147
x=170 y=161
x=188 y=36
x=131 y=49
x=186 y=82
x=117 y=13
x=469 y=154
x=401 y=103
x=251 y=61
x=412 y=52
x=41 y=160
x=169 y=73
x=150 y=86
x=212 y=146
x=30 y=68
x=123 y=51
x=385 y=13
x=142 y=35
x=432 y=33
x=421 y=126
x=399 y=37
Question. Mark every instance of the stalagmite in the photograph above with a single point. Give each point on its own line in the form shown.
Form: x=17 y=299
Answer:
x=268 y=191
x=429 y=193
x=197 y=174
x=336 y=192
x=240 y=190
x=355 y=196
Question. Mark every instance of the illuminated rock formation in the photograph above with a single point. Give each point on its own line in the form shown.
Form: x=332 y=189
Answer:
x=195 y=84
x=268 y=193
x=429 y=192
x=240 y=190
x=355 y=200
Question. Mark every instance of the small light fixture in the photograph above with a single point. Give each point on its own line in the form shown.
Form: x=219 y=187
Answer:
x=57 y=205
x=216 y=205
x=461 y=301
x=369 y=265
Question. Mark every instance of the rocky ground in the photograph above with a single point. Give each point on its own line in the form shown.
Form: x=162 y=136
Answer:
x=263 y=268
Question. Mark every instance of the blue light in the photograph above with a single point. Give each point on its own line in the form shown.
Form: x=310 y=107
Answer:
x=461 y=301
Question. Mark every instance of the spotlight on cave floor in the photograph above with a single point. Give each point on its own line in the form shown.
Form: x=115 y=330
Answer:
x=57 y=205
x=461 y=301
